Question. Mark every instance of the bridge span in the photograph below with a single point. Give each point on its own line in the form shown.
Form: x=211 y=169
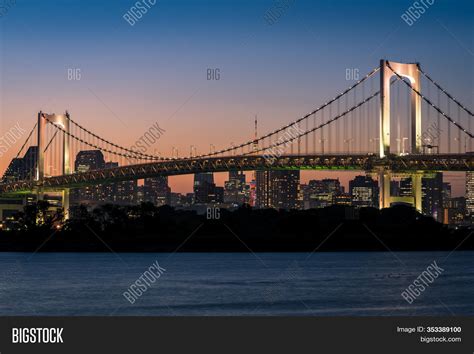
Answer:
x=369 y=163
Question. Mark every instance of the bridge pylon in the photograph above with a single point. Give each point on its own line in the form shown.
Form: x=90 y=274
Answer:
x=63 y=121
x=386 y=198
x=411 y=72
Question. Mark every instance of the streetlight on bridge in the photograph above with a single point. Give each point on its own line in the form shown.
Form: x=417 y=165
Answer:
x=374 y=141
x=349 y=144
x=321 y=141
x=192 y=151
x=173 y=150
x=459 y=144
x=402 y=141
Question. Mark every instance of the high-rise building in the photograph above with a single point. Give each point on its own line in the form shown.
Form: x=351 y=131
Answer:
x=188 y=199
x=432 y=196
x=157 y=190
x=454 y=210
x=109 y=190
x=204 y=188
x=470 y=194
x=262 y=189
x=118 y=192
x=405 y=187
x=277 y=189
x=446 y=191
x=321 y=193
x=89 y=160
x=237 y=176
x=364 y=192
x=343 y=199
x=176 y=199
x=140 y=194
x=235 y=189
x=124 y=192
x=22 y=168
x=217 y=197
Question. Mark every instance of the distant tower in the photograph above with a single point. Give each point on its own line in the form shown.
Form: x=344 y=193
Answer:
x=253 y=183
x=255 y=142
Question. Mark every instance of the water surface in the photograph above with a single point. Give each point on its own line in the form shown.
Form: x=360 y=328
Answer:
x=318 y=284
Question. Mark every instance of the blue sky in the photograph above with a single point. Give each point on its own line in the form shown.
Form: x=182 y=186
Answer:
x=148 y=72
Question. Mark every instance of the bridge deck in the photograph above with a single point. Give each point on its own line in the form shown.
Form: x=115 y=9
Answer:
x=367 y=162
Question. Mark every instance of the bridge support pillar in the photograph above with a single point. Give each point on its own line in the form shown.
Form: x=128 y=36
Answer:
x=386 y=198
x=416 y=180
x=43 y=120
x=65 y=202
x=384 y=189
x=411 y=72
x=39 y=195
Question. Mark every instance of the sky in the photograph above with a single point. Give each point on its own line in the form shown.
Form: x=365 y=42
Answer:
x=155 y=70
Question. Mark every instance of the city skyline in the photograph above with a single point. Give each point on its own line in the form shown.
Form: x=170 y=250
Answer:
x=125 y=89
x=277 y=189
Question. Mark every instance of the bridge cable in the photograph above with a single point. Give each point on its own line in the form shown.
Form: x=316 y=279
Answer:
x=432 y=104
x=445 y=92
x=47 y=146
x=322 y=125
x=112 y=144
x=26 y=141
x=93 y=145
x=370 y=74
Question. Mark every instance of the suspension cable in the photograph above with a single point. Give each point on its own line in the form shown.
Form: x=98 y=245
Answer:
x=446 y=92
x=95 y=146
x=26 y=141
x=110 y=143
x=256 y=141
x=136 y=154
x=432 y=104
x=319 y=126
x=328 y=122
x=47 y=146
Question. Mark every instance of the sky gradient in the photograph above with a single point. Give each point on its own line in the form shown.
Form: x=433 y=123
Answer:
x=155 y=71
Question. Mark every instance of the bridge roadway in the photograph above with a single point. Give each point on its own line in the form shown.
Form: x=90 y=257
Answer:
x=363 y=162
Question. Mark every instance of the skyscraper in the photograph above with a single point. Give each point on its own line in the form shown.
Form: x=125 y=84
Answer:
x=262 y=189
x=321 y=193
x=204 y=188
x=277 y=189
x=470 y=194
x=22 y=168
x=157 y=191
x=454 y=210
x=124 y=192
x=405 y=187
x=89 y=160
x=432 y=196
x=446 y=191
x=364 y=192
x=235 y=189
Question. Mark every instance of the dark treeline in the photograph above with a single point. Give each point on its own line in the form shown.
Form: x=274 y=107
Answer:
x=148 y=228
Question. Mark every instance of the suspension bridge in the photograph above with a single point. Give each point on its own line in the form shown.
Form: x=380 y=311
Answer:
x=396 y=121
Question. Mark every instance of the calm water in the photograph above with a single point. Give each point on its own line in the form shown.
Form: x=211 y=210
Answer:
x=235 y=284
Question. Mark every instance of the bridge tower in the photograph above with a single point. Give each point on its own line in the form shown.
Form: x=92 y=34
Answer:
x=411 y=72
x=63 y=121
